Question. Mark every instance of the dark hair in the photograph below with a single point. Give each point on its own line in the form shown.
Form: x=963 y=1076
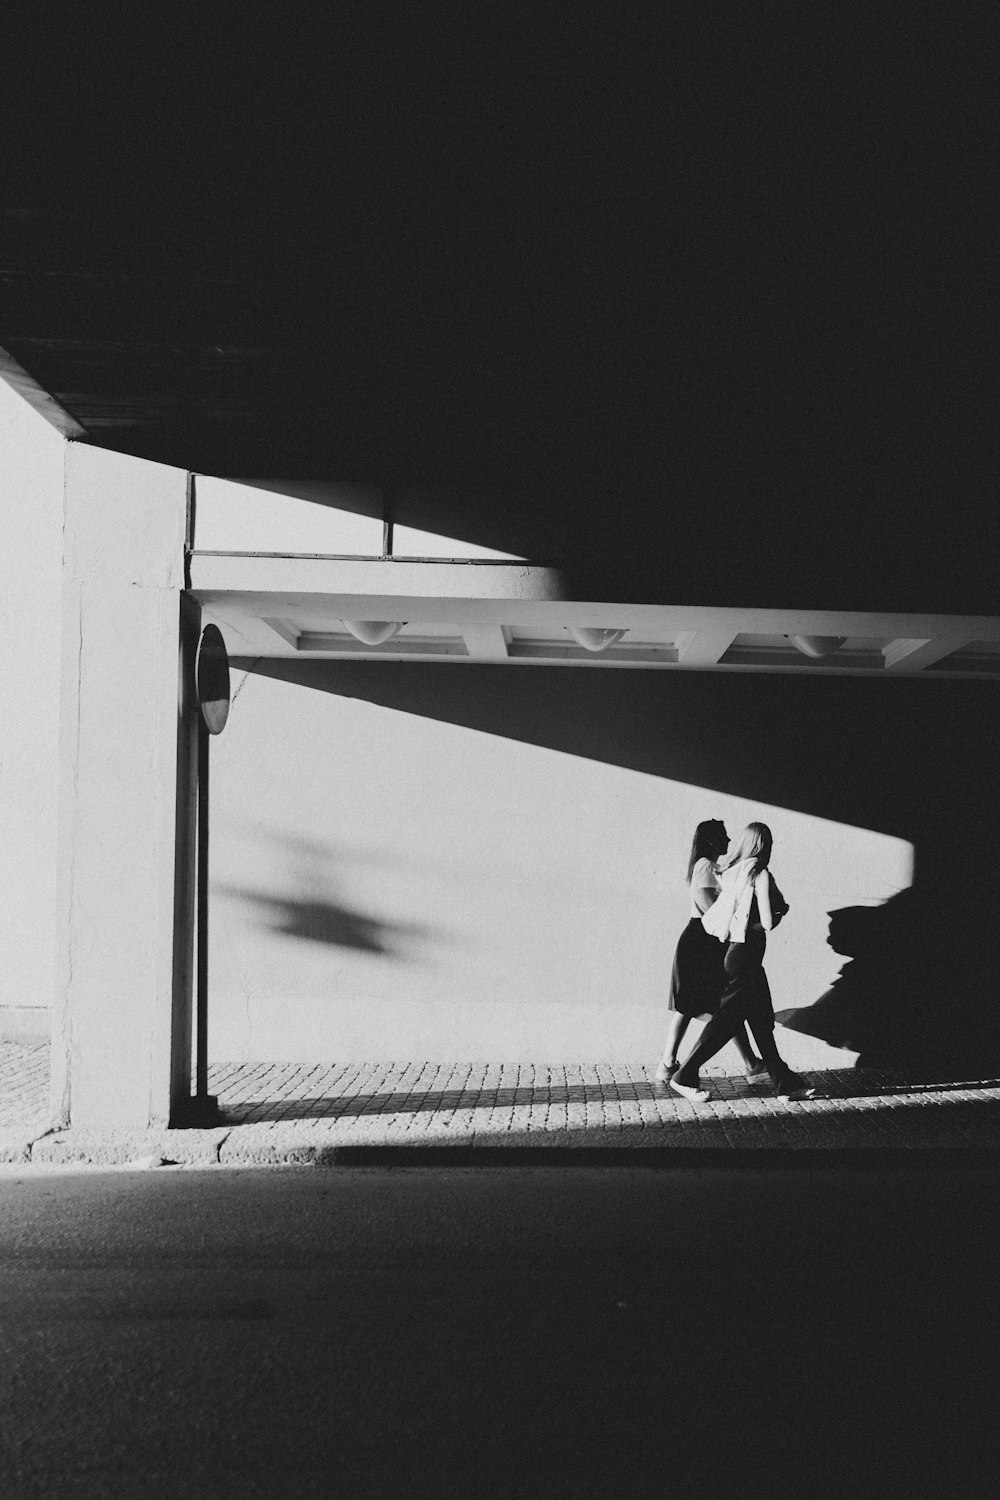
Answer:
x=704 y=843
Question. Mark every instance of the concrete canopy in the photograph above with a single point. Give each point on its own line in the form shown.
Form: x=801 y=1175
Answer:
x=515 y=613
x=695 y=308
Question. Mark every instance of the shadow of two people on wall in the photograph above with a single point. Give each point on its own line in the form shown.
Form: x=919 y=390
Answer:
x=918 y=991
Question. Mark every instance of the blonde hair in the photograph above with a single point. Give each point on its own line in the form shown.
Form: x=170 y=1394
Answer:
x=753 y=843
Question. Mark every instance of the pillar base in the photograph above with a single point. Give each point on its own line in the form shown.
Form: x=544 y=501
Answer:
x=200 y=1112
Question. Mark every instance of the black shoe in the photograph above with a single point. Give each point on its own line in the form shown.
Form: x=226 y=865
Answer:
x=794 y=1087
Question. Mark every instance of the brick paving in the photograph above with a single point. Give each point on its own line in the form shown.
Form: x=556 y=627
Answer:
x=291 y=1111
x=24 y=1087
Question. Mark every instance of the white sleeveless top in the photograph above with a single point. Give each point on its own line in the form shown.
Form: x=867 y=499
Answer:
x=703 y=874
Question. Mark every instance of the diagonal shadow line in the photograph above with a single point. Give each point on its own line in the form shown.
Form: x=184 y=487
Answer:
x=445 y=1100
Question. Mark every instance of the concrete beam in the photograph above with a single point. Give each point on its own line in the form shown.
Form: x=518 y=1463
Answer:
x=703 y=648
x=383 y=579
x=502 y=593
x=485 y=642
x=12 y=374
x=284 y=632
x=909 y=655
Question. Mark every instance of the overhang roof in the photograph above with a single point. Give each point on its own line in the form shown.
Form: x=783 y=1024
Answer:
x=719 y=288
x=301 y=608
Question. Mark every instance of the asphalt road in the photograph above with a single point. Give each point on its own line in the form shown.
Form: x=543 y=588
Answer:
x=534 y=1332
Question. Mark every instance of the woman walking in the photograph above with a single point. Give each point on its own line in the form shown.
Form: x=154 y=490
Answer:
x=746 y=909
x=698 y=977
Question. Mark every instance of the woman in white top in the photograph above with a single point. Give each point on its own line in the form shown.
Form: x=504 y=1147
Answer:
x=698 y=977
x=750 y=905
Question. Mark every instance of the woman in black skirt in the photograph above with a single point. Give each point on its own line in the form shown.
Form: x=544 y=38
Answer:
x=698 y=976
x=750 y=906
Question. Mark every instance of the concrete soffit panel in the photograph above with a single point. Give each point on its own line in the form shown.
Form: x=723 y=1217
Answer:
x=516 y=613
x=13 y=375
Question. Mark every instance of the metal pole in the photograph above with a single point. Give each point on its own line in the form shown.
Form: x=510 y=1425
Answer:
x=201 y=983
x=212 y=693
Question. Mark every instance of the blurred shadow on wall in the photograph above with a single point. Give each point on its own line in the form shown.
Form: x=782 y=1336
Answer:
x=314 y=911
x=330 y=922
x=917 y=992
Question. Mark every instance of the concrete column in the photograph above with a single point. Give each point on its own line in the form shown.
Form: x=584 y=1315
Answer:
x=119 y=1022
x=31 y=501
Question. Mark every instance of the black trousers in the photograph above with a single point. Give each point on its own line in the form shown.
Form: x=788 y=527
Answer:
x=746 y=998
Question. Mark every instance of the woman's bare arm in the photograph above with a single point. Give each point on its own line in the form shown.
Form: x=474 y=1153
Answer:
x=704 y=896
x=762 y=890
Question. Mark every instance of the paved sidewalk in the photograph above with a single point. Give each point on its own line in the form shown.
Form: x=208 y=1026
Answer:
x=277 y=1113
x=24 y=1088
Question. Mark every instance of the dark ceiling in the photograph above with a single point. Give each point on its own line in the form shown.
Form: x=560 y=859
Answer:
x=739 y=256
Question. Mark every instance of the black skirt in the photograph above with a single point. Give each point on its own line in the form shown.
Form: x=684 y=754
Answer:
x=698 y=976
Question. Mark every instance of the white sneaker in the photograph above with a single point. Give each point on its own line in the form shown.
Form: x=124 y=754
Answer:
x=686 y=1091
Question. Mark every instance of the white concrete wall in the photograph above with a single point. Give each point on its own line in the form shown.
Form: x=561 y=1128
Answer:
x=310 y=516
x=386 y=885
x=409 y=541
x=305 y=517
x=122 y=576
x=31 y=497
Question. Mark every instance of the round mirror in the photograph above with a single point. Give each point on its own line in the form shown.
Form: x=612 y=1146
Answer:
x=212 y=679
